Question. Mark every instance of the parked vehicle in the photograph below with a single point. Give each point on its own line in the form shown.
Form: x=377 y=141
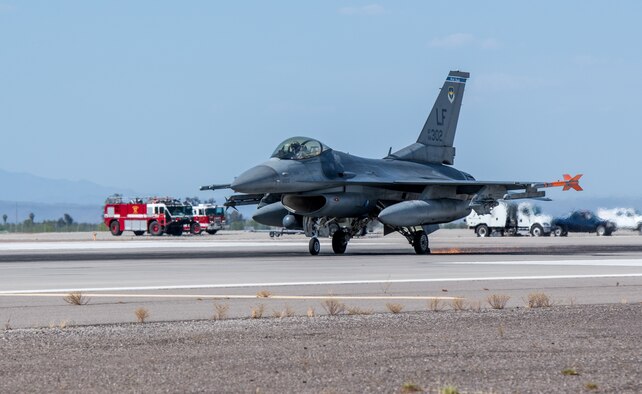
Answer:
x=157 y=215
x=582 y=222
x=626 y=218
x=208 y=217
x=510 y=219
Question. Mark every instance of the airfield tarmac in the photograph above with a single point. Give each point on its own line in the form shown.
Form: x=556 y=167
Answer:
x=593 y=329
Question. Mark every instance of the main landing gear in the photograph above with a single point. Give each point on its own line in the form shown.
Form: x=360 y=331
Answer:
x=339 y=243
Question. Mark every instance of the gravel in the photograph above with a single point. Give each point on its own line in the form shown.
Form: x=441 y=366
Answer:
x=514 y=350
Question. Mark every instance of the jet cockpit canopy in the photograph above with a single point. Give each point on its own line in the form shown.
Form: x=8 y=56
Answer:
x=299 y=148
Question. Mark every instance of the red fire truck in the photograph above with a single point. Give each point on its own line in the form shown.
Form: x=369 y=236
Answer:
x=208 y=217
x=157 y=215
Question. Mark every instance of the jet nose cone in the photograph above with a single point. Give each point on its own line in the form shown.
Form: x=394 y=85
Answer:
x=259 y=179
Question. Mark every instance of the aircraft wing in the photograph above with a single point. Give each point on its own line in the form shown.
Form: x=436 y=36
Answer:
x=486 y=189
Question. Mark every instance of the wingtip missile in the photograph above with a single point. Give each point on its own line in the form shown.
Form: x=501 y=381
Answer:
x=569 y=182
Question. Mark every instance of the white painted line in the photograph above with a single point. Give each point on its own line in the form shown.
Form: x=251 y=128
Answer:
x=115 y=245
x=232 y=296
x=592 y=262
x=347 y=282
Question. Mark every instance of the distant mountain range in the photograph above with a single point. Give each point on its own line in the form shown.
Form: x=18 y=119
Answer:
x=21 y=194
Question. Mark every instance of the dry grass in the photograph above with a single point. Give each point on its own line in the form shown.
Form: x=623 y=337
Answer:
x=142 y=314
x=7 y=325
x=285 y=312
x=590 y=386
x=435 y=305
x=355 y=310
x=76 y=298
x=539 y=300
x=264 y=294
x=62 y=325
x=458 y=304
x=570 y=372
x=310 y=312
x=394 y=308
x=497 y=301
x=333 y=306
x=410 y=387
x=220 y=311
x=475 y=306
x=501 y=330
x=450 y=389
x=257 y=311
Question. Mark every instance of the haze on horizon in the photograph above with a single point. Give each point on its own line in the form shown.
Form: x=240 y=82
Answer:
x=162 y=97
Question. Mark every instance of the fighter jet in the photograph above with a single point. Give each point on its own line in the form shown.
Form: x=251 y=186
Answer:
x=308 y=186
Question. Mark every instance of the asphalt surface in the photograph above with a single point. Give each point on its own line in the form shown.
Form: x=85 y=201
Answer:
x=47 y=344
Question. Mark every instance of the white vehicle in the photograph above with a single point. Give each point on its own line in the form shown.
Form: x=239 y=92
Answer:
x=510 y=219
x=625 y=218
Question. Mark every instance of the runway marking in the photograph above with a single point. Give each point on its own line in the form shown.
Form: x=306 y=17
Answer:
x=231 y=296
x=346 y=282
x=105 y=245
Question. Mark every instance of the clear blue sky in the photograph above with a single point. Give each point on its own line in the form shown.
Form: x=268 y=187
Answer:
x=164 y=96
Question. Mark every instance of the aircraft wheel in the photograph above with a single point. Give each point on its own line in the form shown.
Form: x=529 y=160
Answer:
x=155 y=229
x=482 y=230
x=314 y=246
x=537 y=230
x=138 y=233
x=339 y=242
x=114 y=227
x=195 y=228
x=600 y=230
x=420 y=243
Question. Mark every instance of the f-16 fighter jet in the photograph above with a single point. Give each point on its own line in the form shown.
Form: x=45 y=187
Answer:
x=306 y=185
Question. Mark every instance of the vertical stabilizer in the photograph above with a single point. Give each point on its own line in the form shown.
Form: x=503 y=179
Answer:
x=435 y=143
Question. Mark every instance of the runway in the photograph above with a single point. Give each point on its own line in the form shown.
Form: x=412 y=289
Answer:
x=175 y=277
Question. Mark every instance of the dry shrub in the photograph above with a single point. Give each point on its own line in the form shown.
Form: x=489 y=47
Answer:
x=450 y=389
x=590 y=386
x=257 y=311
x=498 y=301
x=435 y=305
x=310 y=312
x=394 y=308
x=333 y=306
x=355 y=310
x=285 y=312
x=570 y=372
x=458 y=304
x=410 y=387
x=142 y=314
x=64 y=324
x=7 y=325
x=220 y=311
x=475 y=306
x=264 y=294
x=539 y=300
x=76 y=298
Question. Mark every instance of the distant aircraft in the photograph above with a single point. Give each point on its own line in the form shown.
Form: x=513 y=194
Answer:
x=308 y=186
